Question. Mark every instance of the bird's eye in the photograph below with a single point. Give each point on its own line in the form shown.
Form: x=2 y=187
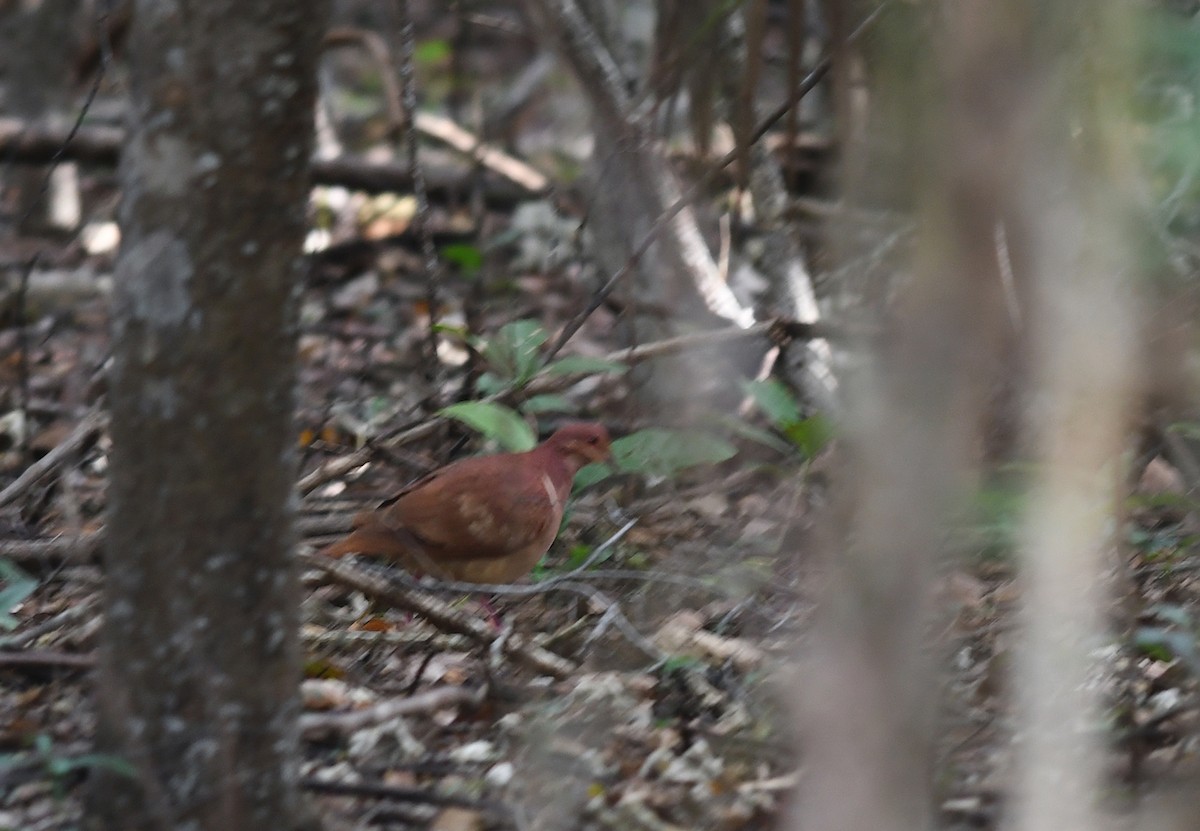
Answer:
x=593 y=440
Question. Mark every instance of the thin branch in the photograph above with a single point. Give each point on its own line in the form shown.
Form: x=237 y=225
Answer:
x=435 y=611
x=19 y=312
x=470 y=145
x=610 y=610
x=777 y=331
x=405 y=794
x=517 y=589
x=695 y=190
x=420 y=220
x=434 y=126
x=321 y=725
x=94 y=422
x=42 y=659
x=71 y=549
x=21 y=143
x=69 y=615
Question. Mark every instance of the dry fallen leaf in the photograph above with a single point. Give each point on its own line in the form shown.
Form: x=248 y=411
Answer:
x=457 y=819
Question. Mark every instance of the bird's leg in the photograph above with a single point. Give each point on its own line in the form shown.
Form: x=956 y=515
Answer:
x=496 y=650
x=416 y=680
x=493 y=618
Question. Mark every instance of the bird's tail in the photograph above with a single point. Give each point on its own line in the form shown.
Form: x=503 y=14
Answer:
x=366 y=538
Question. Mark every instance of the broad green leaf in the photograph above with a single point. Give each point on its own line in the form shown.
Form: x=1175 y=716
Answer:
x=578 y=555
x=468 y=258
x=584 y=365
x=1186 y=429
x=1164 y=644
x=495 y=421
x=18 y=585
x=775 y=400
x=659 y=452
x=102 y=761
x=1159 y=501
x=513 y=351
x=590 y=474
x=1172 y=613
x=455 y=329
x=809 y=434
x=547 y=404
x=489 y=383
x=764 y=437
x=779 y=405
x=432 y=52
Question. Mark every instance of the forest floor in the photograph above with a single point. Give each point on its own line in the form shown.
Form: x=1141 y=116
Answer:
x=674 y=707
x=689 y=594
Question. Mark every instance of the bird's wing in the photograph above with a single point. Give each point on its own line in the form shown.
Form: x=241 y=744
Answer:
x=479 y=508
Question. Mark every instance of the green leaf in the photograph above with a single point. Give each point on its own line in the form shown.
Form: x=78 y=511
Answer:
x=432 y=52
x=489 y=383
x=468 y=258
x=513 y=351
x=681 y=663
x=100 y=761
x=809 y=434
x=1172 y=613
x=584 y=365
x=577 y=556
x=764 y=437
x=1186 y=429
x=775 y=400
x=18 y=586
x=455 y=329
x=1164 y=644
x=547 y=404
x=495 y=421
x=590 y=474
x=659 y=452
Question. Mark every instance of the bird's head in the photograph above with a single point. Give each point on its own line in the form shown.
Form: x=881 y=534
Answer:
x=581 y=443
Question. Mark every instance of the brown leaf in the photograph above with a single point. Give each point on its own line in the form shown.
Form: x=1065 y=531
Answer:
x=457 y=819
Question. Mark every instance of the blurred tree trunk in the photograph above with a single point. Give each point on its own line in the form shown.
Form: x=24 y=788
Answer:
x=199 y=671
x=1007 y=131
x=675 y=286
x=35 y=63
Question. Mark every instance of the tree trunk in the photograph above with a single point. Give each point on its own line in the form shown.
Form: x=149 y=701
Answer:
x=199 y=671
x=35 y=62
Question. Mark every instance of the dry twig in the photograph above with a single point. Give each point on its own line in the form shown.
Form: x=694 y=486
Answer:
x=322 y=725
x=72 y=549
x=435 y=611
x=94 y=422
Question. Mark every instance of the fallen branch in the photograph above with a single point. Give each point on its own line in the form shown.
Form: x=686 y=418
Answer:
x=434 y=126
x=94 y=422
x=73 y=549
x=322 y=725
x=67 y=616
x=44 y=659
x=402 y=793
x=22 y=143
x=435 y=611
x=609 y=610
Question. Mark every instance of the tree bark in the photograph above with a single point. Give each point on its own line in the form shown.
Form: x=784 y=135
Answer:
x=34 y=68
x=199 y=669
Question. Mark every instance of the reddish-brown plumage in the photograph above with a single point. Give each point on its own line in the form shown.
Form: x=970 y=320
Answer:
x=487 y=519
